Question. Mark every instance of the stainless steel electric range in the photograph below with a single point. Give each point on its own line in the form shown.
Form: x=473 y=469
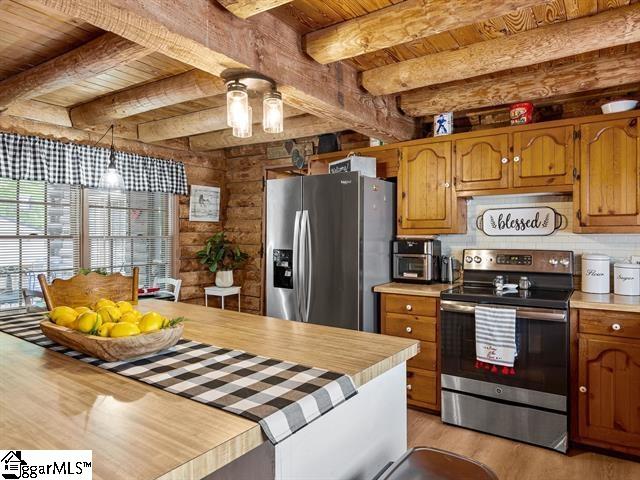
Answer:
x=529 y=401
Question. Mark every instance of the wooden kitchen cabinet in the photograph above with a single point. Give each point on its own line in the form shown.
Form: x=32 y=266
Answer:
x=607 y=384
x=482 y=162
x=427 y=203
x=543 y=157
x=416 y=317
x=607 y=195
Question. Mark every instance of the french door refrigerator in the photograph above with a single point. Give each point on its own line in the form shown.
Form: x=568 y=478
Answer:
x=328 y=242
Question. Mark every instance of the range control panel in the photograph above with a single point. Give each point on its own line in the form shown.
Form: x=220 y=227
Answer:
x=547 y=261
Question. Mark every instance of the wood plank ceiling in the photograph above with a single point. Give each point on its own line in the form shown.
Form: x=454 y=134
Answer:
x=155 y=89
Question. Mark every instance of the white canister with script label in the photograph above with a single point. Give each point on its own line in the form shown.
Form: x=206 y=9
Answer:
x=595 y=273
x=626 y=279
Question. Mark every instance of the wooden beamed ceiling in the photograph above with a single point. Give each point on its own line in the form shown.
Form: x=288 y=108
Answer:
x=157 y=72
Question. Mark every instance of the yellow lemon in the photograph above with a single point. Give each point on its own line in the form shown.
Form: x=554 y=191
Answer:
x=63 y=315
x=89 y=322
x=110 y=314
x=103 y=302
x=165 y=322
x=82 y=310
x=105 y=329
x=150 y=322
x=124 y=329
x=129 y=317
x=124 y=306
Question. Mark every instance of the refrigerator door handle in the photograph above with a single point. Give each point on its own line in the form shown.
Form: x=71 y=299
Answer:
x=302 y=292
x=309 y=256
x=296 y=264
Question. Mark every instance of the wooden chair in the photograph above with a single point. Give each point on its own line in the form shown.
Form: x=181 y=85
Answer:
x=175 y=284
x=85 y=290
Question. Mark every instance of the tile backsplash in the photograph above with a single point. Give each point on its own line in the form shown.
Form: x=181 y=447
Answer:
x=619 y=247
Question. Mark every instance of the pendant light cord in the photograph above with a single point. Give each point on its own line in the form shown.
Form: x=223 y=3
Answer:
x=105 y=134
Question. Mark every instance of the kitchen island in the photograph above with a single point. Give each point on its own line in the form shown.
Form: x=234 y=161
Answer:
x=52 y=401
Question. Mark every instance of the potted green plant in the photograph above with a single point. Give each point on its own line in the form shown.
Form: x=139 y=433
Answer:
x=222 y=258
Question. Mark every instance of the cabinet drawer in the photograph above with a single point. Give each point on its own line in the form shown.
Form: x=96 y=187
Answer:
x=422 y=386
x=410 y=326
x=427 y=359
x=425 y=306
x=615 y=324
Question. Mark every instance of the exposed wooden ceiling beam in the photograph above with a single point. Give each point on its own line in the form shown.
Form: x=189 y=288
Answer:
x=180 y=88
x=202 y=121
x=248 y=8
x=547 y=82
x=93 y=58
x=204 y=35
x=25 y=126
x=608 y=29
x=39 y=111
x=296 y=127
x=401 y=23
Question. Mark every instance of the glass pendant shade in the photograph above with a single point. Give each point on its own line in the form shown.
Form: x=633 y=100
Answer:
x=237 y=104
x=246 y=129
x=111 y=179
x=272 y=113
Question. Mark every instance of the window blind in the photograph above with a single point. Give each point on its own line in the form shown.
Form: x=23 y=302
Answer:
x=131 y=229
x=39 y=233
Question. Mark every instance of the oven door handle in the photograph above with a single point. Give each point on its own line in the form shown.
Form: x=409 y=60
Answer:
x=524 y=313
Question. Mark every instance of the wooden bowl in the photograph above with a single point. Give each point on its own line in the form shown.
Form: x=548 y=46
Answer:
x=113 y=349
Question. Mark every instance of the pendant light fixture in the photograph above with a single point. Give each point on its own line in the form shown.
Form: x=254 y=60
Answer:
x=246 y=130
x=239 y=115
x=272 y=112
x=237 y=104
x=111 y=179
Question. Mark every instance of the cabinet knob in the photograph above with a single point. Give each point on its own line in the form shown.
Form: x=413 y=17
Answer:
x=446 y=185
x=616 y=326
x=408 y=386
x=409 y=329
x=408 y=307
x=516 y=159
x=583 y=389
x=505 y=160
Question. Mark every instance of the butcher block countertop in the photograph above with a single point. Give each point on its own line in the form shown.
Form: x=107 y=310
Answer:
x=605 y=301
x=52 y=401
x=432 y=290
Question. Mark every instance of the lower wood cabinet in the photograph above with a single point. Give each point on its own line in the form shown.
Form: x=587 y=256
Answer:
x=416 y=317
x=606 y=380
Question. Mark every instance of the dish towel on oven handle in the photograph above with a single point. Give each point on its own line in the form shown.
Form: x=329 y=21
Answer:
x=495 y=338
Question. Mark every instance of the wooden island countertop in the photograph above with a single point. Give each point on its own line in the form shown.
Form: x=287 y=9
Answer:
x=52 y=401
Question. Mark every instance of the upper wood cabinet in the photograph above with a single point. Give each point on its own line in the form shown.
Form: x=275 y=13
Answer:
x=426 y=198
x=607 y=196
x=526 y=160
x=482 y=162
x=543 y=157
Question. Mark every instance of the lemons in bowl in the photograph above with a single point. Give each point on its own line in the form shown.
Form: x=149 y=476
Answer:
x=110 y=319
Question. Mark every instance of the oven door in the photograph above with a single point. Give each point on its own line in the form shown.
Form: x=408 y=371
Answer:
x=541 y=365
x=412 y=267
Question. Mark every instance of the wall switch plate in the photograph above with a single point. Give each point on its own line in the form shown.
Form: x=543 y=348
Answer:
x=635 y=258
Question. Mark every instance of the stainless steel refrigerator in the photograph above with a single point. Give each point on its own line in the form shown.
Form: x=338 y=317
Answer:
x=328 y=243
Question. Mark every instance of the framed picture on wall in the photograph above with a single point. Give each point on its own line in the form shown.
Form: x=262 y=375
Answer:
x=204 y=204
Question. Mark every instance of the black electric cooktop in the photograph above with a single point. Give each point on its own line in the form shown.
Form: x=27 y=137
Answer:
x=533 y=297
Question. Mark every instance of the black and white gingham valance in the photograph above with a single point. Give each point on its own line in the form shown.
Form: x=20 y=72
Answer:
x=35 y=158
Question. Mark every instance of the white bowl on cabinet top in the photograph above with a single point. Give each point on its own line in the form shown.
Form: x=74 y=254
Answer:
x=619 y=106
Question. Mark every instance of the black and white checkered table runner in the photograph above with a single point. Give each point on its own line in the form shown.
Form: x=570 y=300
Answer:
x=281 y=396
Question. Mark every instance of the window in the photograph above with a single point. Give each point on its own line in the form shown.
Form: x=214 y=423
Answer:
x=39 y=233
x=131 y=229
x=59 y=229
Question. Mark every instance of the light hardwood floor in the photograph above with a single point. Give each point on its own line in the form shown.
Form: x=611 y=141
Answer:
x=517 y=461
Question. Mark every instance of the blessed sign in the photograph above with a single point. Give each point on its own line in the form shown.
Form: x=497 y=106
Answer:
x=539 y=221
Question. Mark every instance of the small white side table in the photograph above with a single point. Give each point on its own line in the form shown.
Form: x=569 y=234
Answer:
x=221 y=292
